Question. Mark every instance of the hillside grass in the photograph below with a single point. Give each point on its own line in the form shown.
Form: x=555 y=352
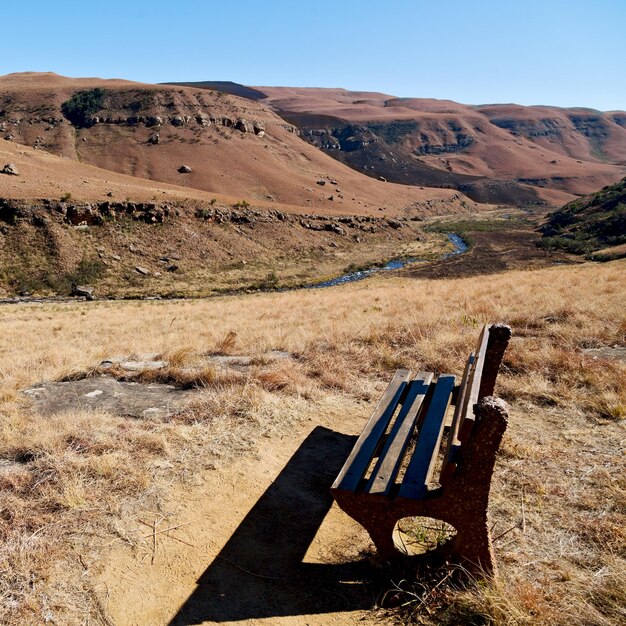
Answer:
x=590 y=225
x=70 y=483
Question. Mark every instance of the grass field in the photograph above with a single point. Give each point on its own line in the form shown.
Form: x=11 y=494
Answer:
x=559 y=492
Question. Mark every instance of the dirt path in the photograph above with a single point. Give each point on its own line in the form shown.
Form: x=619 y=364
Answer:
x=257 y=542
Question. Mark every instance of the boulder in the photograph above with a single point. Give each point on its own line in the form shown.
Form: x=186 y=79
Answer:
x=177 y=120
x=184 y=169
x=82 y=291
x=142 y=270
x=10 y=169
x=154 y=139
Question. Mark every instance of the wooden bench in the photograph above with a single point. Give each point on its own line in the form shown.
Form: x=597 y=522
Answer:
x=422 y=463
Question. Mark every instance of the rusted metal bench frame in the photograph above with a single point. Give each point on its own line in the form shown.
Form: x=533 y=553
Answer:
x=460 y=494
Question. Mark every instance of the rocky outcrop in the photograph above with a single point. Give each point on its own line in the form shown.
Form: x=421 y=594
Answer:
x=244 y=126
x=252 y=127
x=82 y=291
x=338 y=225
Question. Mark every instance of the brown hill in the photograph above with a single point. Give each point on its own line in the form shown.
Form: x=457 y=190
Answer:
x=234 y=147
x=427 y=141
x=65 y=223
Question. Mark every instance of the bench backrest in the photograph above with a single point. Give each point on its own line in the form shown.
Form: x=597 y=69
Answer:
x=479 y=380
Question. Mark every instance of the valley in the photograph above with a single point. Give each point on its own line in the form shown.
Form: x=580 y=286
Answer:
x=176 y=397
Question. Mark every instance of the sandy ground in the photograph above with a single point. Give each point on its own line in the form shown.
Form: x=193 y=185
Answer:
x=255 y=542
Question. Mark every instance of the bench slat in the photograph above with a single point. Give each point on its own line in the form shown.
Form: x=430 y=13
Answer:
x=452 y=439
x=361 y=456
x=384 y=475
x=422 y=464
x=473 y=387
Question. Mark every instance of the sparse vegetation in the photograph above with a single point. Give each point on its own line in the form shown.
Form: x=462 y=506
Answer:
x=65 y=503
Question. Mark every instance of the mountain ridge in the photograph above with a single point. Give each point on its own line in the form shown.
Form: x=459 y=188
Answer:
x=441 y=142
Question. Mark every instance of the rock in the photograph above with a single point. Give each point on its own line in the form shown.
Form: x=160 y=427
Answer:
x=321 y=182
x=177 y=120
x=105 y=393
x=154 y=139
x=134 y=249
x=244 y=126
x=9 y=137
x=382 y=178
x=116 y=257
x=82 y=291
x=184 y=169
x=331 y=198
x=172 y=268
x=142 y=270
x=10 y=169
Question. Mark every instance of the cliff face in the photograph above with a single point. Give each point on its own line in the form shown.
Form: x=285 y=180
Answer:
x=422 y=141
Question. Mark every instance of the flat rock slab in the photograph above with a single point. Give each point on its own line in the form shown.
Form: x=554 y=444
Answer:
x=607 y=352
x=105 y=393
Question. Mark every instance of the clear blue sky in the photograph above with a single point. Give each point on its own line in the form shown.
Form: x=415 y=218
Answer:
x=559 y=52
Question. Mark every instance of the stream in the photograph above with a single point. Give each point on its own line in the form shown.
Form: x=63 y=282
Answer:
x=459 y=248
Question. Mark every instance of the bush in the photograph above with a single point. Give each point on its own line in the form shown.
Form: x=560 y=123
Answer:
x=82 y=105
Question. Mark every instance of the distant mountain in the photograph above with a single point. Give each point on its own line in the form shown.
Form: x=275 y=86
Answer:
x=490 y=152
x=594 y=223
x=231 y=146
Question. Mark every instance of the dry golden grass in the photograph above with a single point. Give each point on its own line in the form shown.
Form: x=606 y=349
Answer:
x=68 y=483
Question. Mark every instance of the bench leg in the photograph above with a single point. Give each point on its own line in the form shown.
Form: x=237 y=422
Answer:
x=472 y=547
x=379 y=523
x=467 y=498
x=381 y=533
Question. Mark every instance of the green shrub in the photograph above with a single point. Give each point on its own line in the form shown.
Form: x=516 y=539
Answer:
x=82 y=105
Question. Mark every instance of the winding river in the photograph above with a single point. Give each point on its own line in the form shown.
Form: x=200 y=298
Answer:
x=459 y=248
